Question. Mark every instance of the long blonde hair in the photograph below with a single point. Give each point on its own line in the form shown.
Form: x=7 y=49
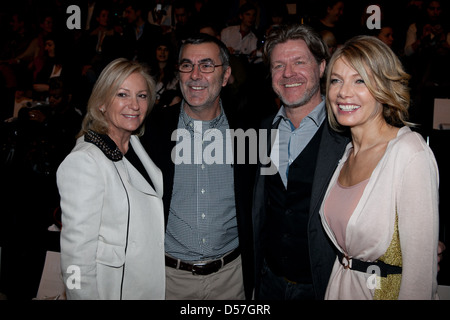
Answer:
x=382 y=73
x=108 y=83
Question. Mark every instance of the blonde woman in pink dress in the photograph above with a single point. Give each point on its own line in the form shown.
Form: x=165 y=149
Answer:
x=381 y=206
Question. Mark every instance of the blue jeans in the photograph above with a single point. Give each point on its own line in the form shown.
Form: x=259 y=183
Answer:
x=274 y=287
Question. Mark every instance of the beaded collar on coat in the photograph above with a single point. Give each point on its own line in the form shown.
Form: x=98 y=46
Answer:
x=105 y=144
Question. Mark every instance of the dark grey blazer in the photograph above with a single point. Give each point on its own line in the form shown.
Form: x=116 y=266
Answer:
x=321 y=250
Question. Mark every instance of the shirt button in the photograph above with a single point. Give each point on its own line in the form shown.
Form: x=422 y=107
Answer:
x=203 y=216
x=203 y=167
x=203 y=191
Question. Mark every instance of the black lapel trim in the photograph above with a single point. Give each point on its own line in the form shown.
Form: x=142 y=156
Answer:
x=105 y=144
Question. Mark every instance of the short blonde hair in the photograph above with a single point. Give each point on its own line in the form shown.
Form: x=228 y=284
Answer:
x=103 y=93
x=382 y=73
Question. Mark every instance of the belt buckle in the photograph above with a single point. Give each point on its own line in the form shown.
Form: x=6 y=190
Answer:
x=197 y=268
x=346 y=262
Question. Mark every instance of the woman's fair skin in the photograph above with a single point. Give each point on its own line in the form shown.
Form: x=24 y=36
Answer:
x=127 y=111
x=355 y=107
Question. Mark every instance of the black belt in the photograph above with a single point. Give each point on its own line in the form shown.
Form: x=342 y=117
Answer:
x=368 y=267
x=202 y=268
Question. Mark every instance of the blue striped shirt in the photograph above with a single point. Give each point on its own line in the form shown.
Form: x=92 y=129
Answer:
x=293 y=140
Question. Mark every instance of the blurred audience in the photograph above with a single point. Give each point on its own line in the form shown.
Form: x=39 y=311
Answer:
x=161 y=15
x=32 y=147
x=163 y=70
x=427 y=50
x=329 y=17
x=139 y=34
x=37 y=51
x=240 y=39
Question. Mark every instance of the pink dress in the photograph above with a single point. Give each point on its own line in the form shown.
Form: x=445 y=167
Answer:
x=404 y=185
x=338 y=212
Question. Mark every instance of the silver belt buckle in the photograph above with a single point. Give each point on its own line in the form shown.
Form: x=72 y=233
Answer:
x=195 y=269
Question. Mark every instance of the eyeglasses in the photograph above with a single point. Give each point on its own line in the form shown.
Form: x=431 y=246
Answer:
x=205 y=67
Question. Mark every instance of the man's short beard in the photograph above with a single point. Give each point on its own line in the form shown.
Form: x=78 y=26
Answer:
x=304 y=100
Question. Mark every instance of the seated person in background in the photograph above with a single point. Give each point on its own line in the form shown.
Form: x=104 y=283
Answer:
x=58 y=121
x=52 y=67
x=35 y=144
x=240 y=39
x=330 y=18
x=101 y=45
x=138 y=34
x=163 y=70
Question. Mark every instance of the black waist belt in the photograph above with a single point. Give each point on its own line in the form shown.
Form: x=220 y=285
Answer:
x=368 y=267
x=202 y=268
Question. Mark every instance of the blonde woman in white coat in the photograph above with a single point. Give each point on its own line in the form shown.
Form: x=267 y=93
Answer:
x=381 y=207
x=112 y=238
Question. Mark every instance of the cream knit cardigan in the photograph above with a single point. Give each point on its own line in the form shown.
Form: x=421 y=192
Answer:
x=406 y=181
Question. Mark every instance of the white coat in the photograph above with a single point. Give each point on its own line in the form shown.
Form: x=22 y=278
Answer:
x=112 y=237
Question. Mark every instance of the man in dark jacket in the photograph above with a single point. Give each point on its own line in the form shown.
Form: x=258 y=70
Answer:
x=207 y=203
x=139 y=35
x=293 y=256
